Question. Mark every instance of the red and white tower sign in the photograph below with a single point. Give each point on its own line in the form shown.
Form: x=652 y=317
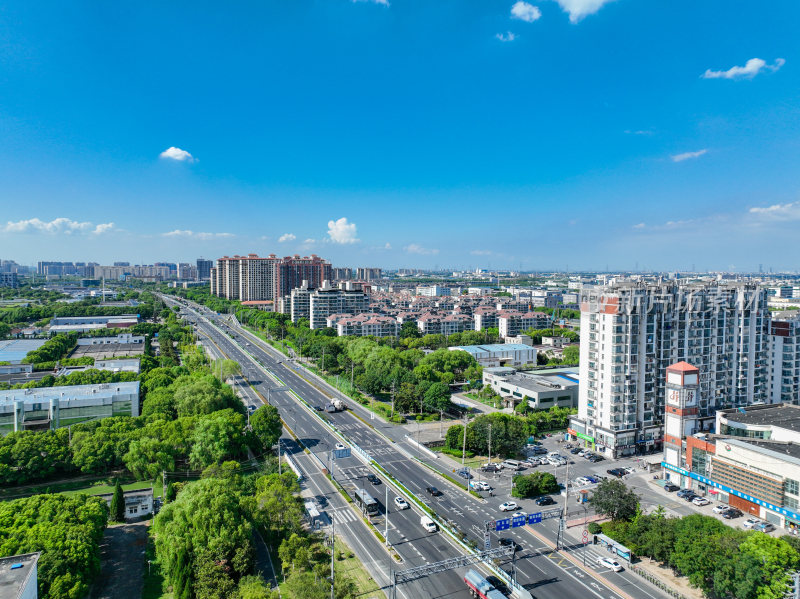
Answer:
x=680 y=411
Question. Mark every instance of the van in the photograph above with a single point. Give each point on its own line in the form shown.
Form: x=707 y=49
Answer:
x=512 y=465
x=553 y=454
x=428 y=524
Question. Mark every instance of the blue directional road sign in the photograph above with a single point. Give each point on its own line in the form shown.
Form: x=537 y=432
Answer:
x=535 y=518
x=503 y=524
x=519 y=520
x=341 y=453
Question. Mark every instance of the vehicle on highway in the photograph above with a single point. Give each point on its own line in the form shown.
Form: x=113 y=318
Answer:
x=764 y=527
x=373 y=479
x=318 y=408
x=433 y=491
x=670 y=488
x=366 y=502
x=618 y=472
x=719 y=508
x=428 y=524
x=506 y=542
x=508 y=506
x=732 y=513
x=464 y=473
x=499 y=585
x=480 y=587
x=700 y=501
x=544 y=500
x=340 y=446
x=479 y=485
x=751 y=522
x=609 y=563
x=401 y=504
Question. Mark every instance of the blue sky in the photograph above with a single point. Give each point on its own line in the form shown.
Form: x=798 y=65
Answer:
x=578 y=134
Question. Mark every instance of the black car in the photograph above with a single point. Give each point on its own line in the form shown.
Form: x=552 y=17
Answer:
x=732 y=513
x=464 y=473
x=618 y=472
x=490 y=468
x=318 y=408
x=596 y=458
x=373 y=479
x=544 y=500
x=670 y=488
x=690 y=496
x=506 y=542
x=433 y=491
x=322 y=500
x=575 y=450
x=499 y=585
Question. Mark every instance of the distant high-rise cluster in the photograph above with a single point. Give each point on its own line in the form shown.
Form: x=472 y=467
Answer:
x=255 y=278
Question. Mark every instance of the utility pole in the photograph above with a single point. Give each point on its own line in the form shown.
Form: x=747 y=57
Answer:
x=563 y=520
x=164 y=485
x=279 y=457
x=386 y=526
x=464 y=441
x=392 y=398
x=352 y=369
x=490 y=442
x=333 y=551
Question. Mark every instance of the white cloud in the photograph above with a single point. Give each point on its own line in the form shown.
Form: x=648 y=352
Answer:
x=287 y=237
x=381 y=2
x=173 y=153
x=58 y=225
x=506 y=37
x=639 y=226
x=687 y=155
x=103 y=228
x=525 y=12
x=751 y=68
x=481 y=252
x=415 y=248
x=638 y=132
x=778 y=212
x=340 y=231
x=388 y=246
x=578 y=9
x=199 y=235
x=310 y=241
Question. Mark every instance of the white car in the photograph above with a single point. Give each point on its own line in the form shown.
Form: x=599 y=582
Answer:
x=582 y=481
x=751 y=522
x=508 y=506
x=479 y=485
x=719 y=508
x=340 y=446
x=700 y=501
x=609 y=563
x=401 y=503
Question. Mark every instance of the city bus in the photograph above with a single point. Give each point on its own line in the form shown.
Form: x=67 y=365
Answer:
x=366 y=502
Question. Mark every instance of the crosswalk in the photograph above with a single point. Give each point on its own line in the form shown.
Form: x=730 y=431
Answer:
x=344 y=516
x=593 y=554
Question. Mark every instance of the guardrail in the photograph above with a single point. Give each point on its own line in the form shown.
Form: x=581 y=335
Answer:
x=657 y=582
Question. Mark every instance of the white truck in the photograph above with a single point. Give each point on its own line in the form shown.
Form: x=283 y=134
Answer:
x=335 y=405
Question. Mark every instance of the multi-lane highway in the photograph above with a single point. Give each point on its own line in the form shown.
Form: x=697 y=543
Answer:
x=542 y=571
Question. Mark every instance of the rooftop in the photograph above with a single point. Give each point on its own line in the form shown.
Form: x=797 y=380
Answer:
x=682 y=367
x=782 y=415
x=44 y=394
x=492 y=347
x=14 y=350
x=15 y=572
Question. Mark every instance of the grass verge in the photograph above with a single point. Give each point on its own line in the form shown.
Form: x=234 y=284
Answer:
x=100 y=485
x=155 y=584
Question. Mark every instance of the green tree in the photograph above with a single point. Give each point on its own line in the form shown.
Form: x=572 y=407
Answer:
x=118 y=504
x=612 y=498
x=437 y=397
x=571 y=354
x=267 y=426
x=217 y=436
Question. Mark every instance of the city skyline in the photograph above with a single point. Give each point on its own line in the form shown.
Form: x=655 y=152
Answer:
x=579 y=134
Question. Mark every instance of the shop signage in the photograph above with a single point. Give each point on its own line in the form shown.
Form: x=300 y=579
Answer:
x=585 y=437
x=710 y=483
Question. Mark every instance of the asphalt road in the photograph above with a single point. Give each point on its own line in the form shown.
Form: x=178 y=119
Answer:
x=543 y=572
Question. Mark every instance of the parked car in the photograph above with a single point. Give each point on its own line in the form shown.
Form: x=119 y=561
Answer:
x=618 y=472
x=544 y=500
x=764 y=527
x=533 y=461
x=609 y=563
x=539 y=450
x=596 y=458
x=670 y=488
x=584 y=453
x=690 y=497
x=732 y=513
x=719 y=508
x=400 y=503
x=464 y=473
x=508 y=506
x=479 y=485
x=576 y=451
x=582 y=481
x=433 y=491
x=700 y=501
x=751 y=522
x=491 y=468
x=373 y=479
x=594 y=479
x=683 y=492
